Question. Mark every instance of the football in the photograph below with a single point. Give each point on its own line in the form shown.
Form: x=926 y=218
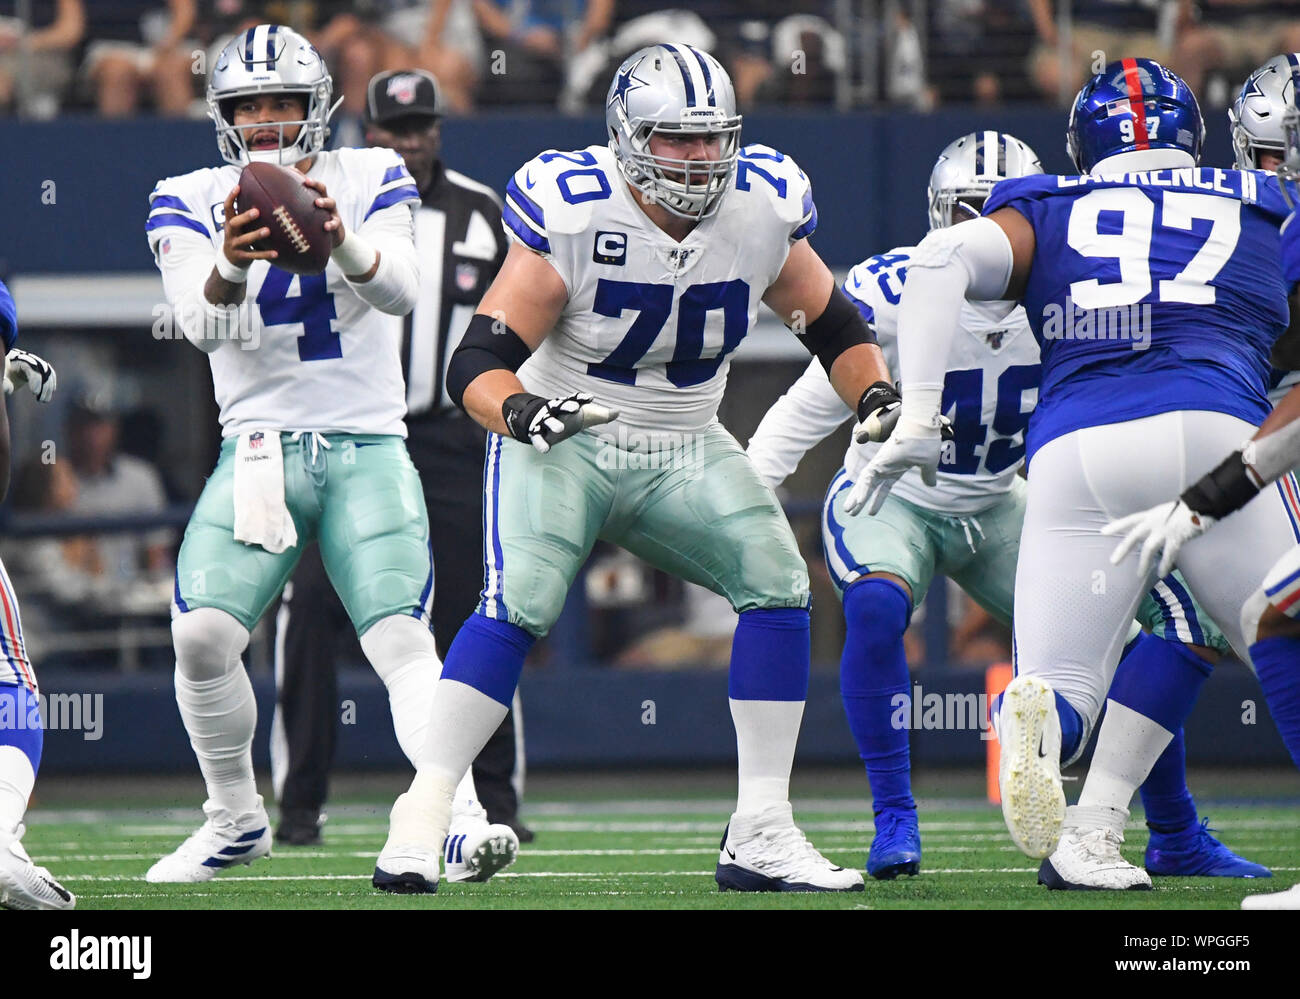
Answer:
x=288 y=208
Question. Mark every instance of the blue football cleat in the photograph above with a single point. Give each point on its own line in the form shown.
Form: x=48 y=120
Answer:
x=1195 y=853
x=897 y=847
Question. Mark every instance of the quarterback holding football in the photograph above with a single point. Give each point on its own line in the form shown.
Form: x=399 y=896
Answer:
x=307 y=372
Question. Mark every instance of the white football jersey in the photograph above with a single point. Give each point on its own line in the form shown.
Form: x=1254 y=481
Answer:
x=990 y=389
x=651 y=323
x=315 y=355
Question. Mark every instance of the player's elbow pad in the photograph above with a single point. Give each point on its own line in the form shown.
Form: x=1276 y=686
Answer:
x=839 y=327
x=488 y=345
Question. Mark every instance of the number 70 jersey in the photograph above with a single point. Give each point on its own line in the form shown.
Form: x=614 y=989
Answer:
x=1151 y=292
x=651 y=323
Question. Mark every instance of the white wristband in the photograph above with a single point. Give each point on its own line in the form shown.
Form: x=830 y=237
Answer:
x=354 y=256
x=921 y=404
x=229 y=271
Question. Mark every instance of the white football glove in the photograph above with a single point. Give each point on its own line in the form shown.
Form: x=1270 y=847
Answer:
x=909 y=446
x=1163 y=530
x=22 y=367
x=543 y=423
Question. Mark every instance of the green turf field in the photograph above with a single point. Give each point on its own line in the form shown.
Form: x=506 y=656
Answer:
x=627 y=842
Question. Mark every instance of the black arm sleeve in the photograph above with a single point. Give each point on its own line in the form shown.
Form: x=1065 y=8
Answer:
x=488 y=344
x=839 y=327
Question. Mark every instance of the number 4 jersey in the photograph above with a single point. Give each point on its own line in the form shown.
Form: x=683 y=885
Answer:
x=310 y=354
x=1151 y=292
x=650 y=322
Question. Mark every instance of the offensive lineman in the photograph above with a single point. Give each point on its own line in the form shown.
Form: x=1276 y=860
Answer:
x=637 y=267
x=309 y=380
x=1204 y=279
x=968 y=527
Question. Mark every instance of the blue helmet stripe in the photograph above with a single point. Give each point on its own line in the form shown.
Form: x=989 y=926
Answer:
x=704 y=66
x=1002 y=154
x=979 y=155
x=686 y=76
x=248 y=48
x=270 y=44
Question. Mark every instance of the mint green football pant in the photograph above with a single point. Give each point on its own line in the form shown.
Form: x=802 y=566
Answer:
x=360 y=499
x=979 y=553
x=689 y=504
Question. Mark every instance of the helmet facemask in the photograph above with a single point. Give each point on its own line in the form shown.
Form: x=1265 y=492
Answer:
x=271 y=60
x=949 y=206
x=686 y=188
x=1289 y=172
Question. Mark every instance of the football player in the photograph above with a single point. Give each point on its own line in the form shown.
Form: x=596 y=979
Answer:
x=1272 y=614
x=23 y=885
x=308 y=377
x=968 y=527
x=1155 y=330
x=637 y=267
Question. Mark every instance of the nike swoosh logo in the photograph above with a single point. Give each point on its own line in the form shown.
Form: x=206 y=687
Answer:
x=528 y=180
x=730 y=853
x=365 y=443
x=856 y=282
x=1042 y=753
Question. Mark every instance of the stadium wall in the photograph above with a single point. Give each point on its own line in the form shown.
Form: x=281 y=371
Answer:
x=75 y=190
x=601 y=718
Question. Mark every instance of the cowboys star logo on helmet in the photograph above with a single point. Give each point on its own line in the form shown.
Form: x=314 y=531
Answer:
x=674 y=89
x=1256 y=117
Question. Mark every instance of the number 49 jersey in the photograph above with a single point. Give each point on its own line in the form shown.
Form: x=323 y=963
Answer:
x=651 y=323
x=313 y=354
x=1151 y=292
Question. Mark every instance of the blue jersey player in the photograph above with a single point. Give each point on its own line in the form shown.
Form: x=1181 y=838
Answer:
x=1155 y=290
x=23 y=885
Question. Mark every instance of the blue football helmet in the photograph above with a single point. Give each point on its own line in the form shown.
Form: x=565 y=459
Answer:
x=1133 y=104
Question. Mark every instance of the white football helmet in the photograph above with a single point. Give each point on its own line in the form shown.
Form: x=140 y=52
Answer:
x=673 y=89
x=271 y=59
x=1255 y=117
x=967 y=170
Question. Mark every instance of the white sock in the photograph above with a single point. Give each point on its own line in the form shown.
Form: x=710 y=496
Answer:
x=462 y=721
x=766 y=733
x=17 y=778
x=1128 y=746
x=216 y=704
x=220 y=716
x=402 y=652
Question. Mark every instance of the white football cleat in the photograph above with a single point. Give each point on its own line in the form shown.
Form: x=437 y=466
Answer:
x=1029 y=770
x=23 y=885
x=1087 y=858
x=768 y=852
x=222 y=841
x=410 y=860
x=476 y=849
x=1289 y=899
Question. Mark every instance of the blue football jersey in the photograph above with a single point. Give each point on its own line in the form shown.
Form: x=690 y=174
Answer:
x=8 y=318
x=1151 y=292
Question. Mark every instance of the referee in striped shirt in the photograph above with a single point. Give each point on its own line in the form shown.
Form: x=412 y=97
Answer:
x=461 y=245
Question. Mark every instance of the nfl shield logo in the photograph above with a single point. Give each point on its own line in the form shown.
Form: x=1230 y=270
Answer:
x=256 y=440
x=466 y=276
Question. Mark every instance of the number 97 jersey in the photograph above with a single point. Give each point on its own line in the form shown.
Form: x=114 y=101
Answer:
x=1150 y=293
x=651 y=323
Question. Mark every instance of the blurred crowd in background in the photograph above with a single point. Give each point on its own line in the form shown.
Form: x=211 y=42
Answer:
x=101 y=599
x=126 y=57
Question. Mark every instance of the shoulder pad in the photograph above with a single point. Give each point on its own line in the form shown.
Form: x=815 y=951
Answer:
x=767 y=174
x=553 y=194
x=380 y=176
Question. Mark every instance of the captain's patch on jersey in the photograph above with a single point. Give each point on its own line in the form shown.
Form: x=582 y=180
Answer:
x=610 y=248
